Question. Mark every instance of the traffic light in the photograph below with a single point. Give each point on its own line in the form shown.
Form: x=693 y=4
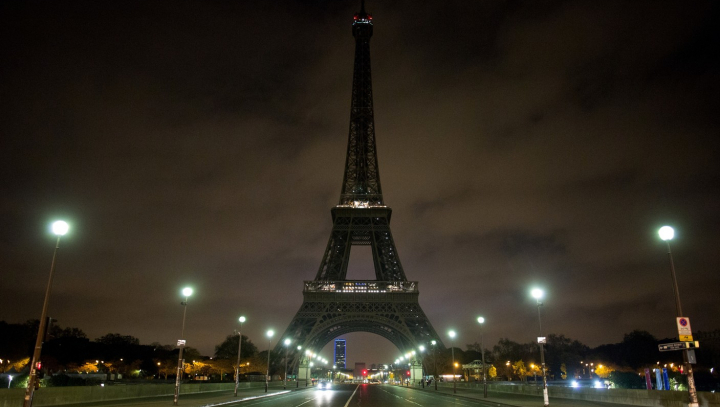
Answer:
x=38 y=365
x=364 y=372
x=408 y=373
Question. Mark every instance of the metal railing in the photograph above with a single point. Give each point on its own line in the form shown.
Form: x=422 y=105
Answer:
x=362 y=286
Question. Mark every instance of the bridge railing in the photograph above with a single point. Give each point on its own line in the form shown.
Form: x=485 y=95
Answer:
x=361 y=286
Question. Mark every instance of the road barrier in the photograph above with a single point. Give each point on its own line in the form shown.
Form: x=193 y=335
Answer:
x=54 y=396
x=648 y=398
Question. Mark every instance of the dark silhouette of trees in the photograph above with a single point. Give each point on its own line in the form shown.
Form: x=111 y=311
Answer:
x=228 y=349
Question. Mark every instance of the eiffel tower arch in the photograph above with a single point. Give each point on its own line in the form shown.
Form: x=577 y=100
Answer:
x=332 y=305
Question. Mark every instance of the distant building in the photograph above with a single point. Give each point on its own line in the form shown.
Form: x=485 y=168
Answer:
x=340 y=354
x=359 y=370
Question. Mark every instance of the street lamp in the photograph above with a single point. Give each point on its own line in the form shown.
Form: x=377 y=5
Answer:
x=435 y=379
x=667 y=234
x=287 y=345
x=237 y=371
x=59 y=229
x=309 y=369
x=452 y=336
x=538 y=294
x=481 y=321
x=269 y=334
x=297 y=376
x=186 y=292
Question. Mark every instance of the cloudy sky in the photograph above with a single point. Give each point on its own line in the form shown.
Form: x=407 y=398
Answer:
x=520 y=143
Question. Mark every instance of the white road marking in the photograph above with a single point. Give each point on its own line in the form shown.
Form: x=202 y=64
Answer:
x=351 y=396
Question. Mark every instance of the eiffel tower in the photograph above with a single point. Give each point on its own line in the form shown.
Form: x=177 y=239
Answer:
x=332 y=305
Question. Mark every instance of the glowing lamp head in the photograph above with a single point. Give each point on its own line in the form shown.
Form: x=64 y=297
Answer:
x=241 y=319
x=434 y=342
x=481 y=320
x=299 y=347
x=666 y=233
x=187 y=291
x=451 y=334
x=422 y=348
x=60 y=228
x=537 y=293
x=270 y=333
x=287 y=342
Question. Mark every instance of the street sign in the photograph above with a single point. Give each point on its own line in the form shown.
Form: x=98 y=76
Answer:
x=542 y=340
x=691 y=357
x=678 y=346
x=181 y=342
x=684 y=330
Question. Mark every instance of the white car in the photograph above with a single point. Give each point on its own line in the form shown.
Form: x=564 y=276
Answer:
x=324 y=385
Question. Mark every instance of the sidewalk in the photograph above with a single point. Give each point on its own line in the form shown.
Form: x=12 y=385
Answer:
x=193 y=400
x=515 y=400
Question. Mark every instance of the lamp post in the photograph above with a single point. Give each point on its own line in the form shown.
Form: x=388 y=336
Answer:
x=306 y=373
x=270 y=334
x=297 y=379
x=237 y=371
x=452 y=336
x=435 y=379
x=667 y=234
x=481 y=321
x=287 y=345
x=59 y=229
x=538 y=294
x=187 y=292
x=421 y=348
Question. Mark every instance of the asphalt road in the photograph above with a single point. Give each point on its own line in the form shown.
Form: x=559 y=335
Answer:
x=361 y=395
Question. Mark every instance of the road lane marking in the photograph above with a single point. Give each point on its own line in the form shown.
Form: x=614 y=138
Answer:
x=402 y=398
x=246 y=399
x=351 y=396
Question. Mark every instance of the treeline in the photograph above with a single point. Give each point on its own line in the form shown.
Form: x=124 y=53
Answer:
x=69 y=350
x=568 y=359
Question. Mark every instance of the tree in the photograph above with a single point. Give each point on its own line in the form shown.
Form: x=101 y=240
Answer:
x=228 y=349
x=519 y=370
x=492 y=372
x=626 y=380
x=562 y=350
x=603 y=371
x=118 y=340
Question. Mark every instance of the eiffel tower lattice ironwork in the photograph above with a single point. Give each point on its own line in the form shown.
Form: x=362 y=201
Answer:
x=332 y=305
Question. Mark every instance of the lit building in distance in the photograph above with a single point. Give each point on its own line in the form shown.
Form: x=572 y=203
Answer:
x=340 y=353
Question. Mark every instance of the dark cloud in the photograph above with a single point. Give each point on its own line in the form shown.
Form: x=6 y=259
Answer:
x=202 y=143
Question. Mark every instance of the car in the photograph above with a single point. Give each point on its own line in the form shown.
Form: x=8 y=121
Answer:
x=324 y=385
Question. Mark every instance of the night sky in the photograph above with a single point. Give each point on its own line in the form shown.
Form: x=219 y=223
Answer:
x=202 y=143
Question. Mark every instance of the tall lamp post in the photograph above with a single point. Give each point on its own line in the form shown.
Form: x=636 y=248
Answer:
x=452 y=336
x=667 y=234
x=187 y=292
x=297 y=379
x=481 y=321
x=237 y=370
x=287 y=345
x=434 y=342
x=538 y=294
x=59 y=229
x=270 y=334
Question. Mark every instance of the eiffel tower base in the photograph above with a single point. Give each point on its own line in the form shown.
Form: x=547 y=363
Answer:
x=303 y=375
x=416 y=372
x=333 y=308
